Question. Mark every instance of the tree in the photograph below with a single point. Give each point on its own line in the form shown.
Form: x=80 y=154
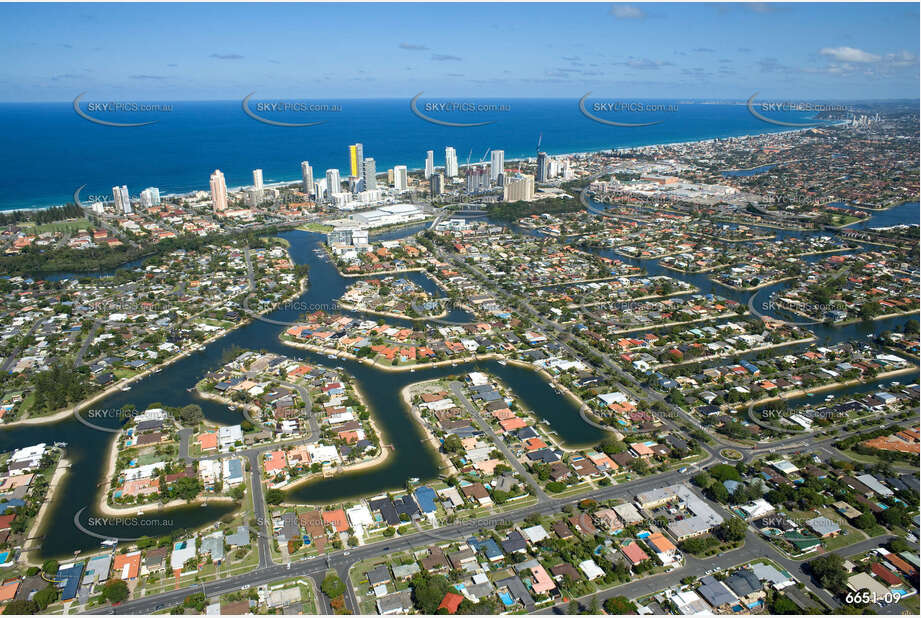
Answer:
x=187 y=488
x=428 y=591
x=733 y=529
x=703 y=480
x=619 y=606
x=115 y=591
x=452 y=444
x=274 y=496
x=865 y=521
x=780 y=604
x=829 y=571
x=21 y=607
x=718 y=492
x=45 y=597
x=332 y=586
x=196 y=601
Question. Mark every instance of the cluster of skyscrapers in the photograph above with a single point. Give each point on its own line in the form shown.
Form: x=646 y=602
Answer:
x=149 y=197
x=362 y=181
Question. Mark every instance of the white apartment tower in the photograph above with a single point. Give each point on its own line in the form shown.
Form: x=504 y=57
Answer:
x=400 y=181
x=218 y=192
x=307 y=177
x=450 y=162
x=429 y=163
x=122 y=199
x=333 y=183
x=150 y=197
x=496 y=165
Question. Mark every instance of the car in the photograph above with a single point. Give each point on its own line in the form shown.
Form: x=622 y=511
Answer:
x=244 y=587
x=346 y=553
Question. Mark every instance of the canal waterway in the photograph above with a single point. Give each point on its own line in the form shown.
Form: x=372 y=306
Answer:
x=410 y=456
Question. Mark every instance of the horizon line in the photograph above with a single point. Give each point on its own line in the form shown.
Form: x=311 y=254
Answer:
x=468 y=98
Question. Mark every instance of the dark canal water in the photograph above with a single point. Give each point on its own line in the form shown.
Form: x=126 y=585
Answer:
x=411 y=457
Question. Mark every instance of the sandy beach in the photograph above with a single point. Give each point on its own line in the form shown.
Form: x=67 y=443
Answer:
x=701 y=359
x=722 y=316
x=563 y=389
x=382 y=455
x=383 y=367
x=407 y=394
x=819 y=389
x=30 y=546
x=390 y=314
x=117 y=386
x=102 y=504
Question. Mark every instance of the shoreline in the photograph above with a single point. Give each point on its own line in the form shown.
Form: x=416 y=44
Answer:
x=406 y=396
x=722 y=316
x=633 y=300
x=39 y=523
x=388 y=314
x=710 y=357
x=563 y=390
x=398 y=368
x=766 y=284
x=800 y=392
x=117 y=386
x=382 y=456
x=297 y=180
x=102 y=503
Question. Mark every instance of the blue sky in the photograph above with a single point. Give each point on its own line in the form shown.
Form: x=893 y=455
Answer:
x=52 y=52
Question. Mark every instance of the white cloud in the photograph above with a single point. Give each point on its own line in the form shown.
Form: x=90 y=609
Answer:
x=627 y=11
x=849 y=54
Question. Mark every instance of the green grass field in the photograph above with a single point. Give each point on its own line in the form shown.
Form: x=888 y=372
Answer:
x=70 y=225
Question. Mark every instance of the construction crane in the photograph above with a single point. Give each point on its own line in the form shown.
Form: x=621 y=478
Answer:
x=540 y=138
x=485 y=154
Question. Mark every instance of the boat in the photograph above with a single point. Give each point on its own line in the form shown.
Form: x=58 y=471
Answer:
x=331 y=356
x=503 y=362
x=109 y=543
x=60 y=444
x=140 y=513
x=126 y=388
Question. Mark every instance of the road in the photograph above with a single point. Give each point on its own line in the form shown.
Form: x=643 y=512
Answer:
x=342 y=561
x=755 y=548
x=457 y=389
x=11 y=359
x=78 y=360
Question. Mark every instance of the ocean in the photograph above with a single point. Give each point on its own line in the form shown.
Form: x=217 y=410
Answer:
x=50 y=151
